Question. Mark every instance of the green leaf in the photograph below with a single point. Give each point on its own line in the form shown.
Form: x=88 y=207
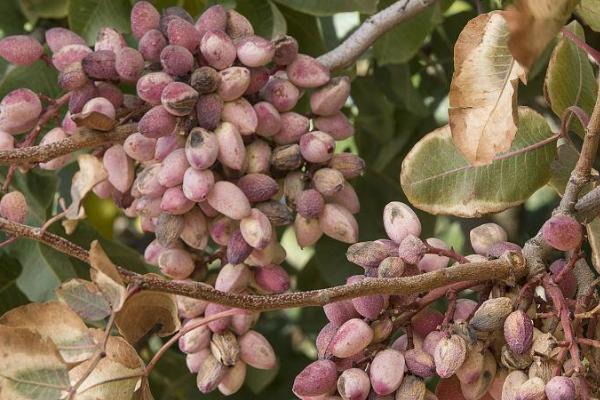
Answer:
x=35 y=9
x=265 y=16
x=86 y=17
x=404 y=41
x=44 y=269
x=10 y=295
x=589 y=11
x=39 y=188
x=306 y=30
x=561 y=167
x=11 y=18
x=32 y=369
x=85 y=299
x=38 y=77
x=403 y=91
x=437 y=178
x=570 y=79
x=330 y=7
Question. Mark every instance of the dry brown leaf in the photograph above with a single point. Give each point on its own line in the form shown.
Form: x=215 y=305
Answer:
x=55 y=321
x=30 y=366
x=91 y=172
x=146 y=311
x=483 y=93
x=105 y=274
x=533 y=24
x=85 y=299
x=100 y=262
x=94 y=120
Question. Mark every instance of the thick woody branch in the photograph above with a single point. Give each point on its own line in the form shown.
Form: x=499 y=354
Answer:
x=510 y=267
x=84 y=138
x=370 y=30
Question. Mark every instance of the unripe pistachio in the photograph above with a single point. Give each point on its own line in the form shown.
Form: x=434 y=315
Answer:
x=144 y=17
x=213 y=18
x=224 y=346
x=426 y=321
x=255 y=51
x=449 y=355
x=129 y=64
x=57 y=38
x=532 y=389
x=281 y=93
x=307 y=231
x=329 y=99
x=309 y=203
x=231 y=146
x=347 y=198
x=354 y=384
x=272 y=278
x=276 y=212
x=54 y=135
x=293 y=126
x=157 y=122
x=495 y=391
x=286 y=50
x=173 y=168
x=293 y=184
x=268 y=119
x=149 y=207
x=543 y=343
x=69 y=54
x=229 y=200
x=317 y=147
x=317 y=378
x=323 y=340
x=560 y=388
x=209 y=109
x=352 y=337
x=194 y=361
x=174 y=201
x=217 y=49
x=258 y=187
x=328 y=181
x=151 y=45
x=464 y=308
x=258 y=157
x=210 y=374
x=237 y=248
x=472 y=367
x=412 y=388
x=241 y=323
x=140 y=147
x=411 y=249
x=307 y=72
x=419 y=363
x=168 y=229
x=387 y=371
x=486 y=235
x=562 y=232
x=146 y=182
x=176 y=263
x=433 y=262
x=119 y=167
x=179 y=98
x=201 y=148
x=7 y=141
x=286 y=158
x=367 y=306
x=480 y=387
x=518 y=331
x=337 y=126
x=256 y=229
x=233 y=278
x=19 y=111
x=259 y=77
x=542 y=369
x=196 y=339
x=72 y=77
x=197 y=184
x=491 y=314
x=241 y=114
x=150 y=87
x=256 y=351
x=234 y=82
x=238 y=26
x=189 y=307
x=176 y=60
x=399 y=221
x=338 y=223
x=109 y=39
x=274 y=253
x=234 y=379
x=219 y=325
x=13 y=207
x=183 y=33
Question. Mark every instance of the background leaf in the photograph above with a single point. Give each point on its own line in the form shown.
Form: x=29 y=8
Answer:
x=329 y=7
x=589 y=11
x=35 y=9
x=265 y=16
x=85 y=299
x=447 y=184
x=10 y=295
x=86 y=17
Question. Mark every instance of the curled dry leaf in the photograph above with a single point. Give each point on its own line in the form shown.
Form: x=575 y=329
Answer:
x=33 y=369
x=482 y=100
x=105 y=274
x=85 y=299
x=533 y=24
x=94 y=120
x=146 y=312
x=91 y=172
x=115 y=377
x=56 y=322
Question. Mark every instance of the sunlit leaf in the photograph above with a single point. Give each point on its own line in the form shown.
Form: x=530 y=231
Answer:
x=533 y=24
x=33 y=368
x=447 y=184
x=144 y=392
x=85 y=299
x=145 y=312
x=482 y=100
x=57 y=322
x=589 y=11
x=570 y=79
x=35 y=9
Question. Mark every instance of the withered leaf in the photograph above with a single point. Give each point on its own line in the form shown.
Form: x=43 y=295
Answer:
x=94 y=120
x=85 y=299
x=91 y=172
x=105 y=274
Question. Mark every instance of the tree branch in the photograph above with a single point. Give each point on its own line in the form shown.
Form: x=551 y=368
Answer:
x=84 y=138
x=373 y=27
x=510 y=267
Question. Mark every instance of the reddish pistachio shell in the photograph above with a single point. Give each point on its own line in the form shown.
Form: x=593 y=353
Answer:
x=176 y=263
x=560 y=388
x=316 y=379
x=72 y=77
x=256 y=351
x=354 y=384
x=233 y=278
x=234 y=379
x=434 y=262
x=329 y=99
x=367 y=306
x=189 y=307
x=386 y=371
x=481 y=386
x=256 y=229
x=307 y=231
x=81 y=96
x=217 y=49
x=55 y=135
x=281 y=93
x=179 y=98
x=234 y=82
x=19 y=111
x=196 y=339
x=221 y=324
x=241 y=323
x=531 y=389
x=411 y=249
x=195 y=229
x=213 y=18
x=272 y=278
x=419 y=363
x=209 y=109
x=491 y=314
x=69 y=54
x=255 y=51
x=518 y=331
x=140 y=147
x=307 y=72
x=119 y=167
x=352 y=337
x=176 y=60
x=268 y=119
x=464 y=309
x=426 y=321
x=238 y=26
x=20 y=49
x=229 y=200
x=317 y=147
x=568 y=283
x=562 y=232
x=399 y=220
x=286 y=50
x=338 y=223
x=210 y=374
x=484 y=236
x=336 y=125
x=182 y=33
x=150 y=86
x=309 y=203
x=328 y=181
x=259 y=77
x=173 y=201
x=231 y=146
x=197 y=184
x=293 y=126
x=57 y=38
x=347 y=198
x=173 y=168
x=258 y=187
x=220 y=228
x=144 y=17
x=258 y=157
x=7 y=141
x=194 y=361
x=512 y=383
x=151 y=45
x=350 y=165
x=109 y=39
x=340 y=311
x=241 y=114
x=201 y=148
x=449 y=355
x=110 y=92
x=323 y=340
x=157 y=122
x=129 y=64
x=13 y=207
x=473 y=366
